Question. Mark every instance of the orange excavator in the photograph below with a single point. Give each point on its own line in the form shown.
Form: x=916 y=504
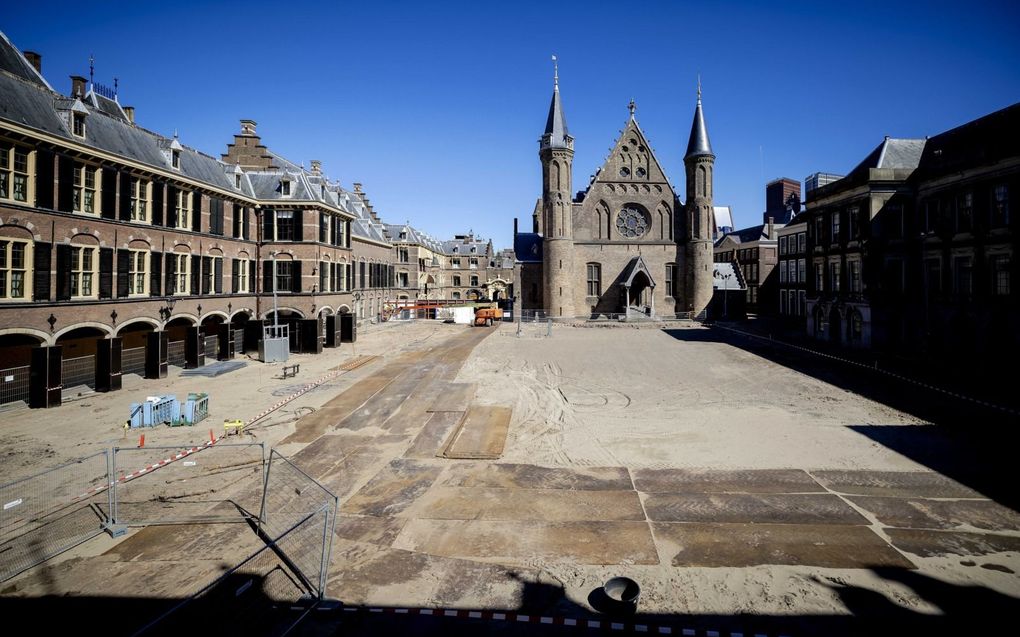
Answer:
x=487 y=316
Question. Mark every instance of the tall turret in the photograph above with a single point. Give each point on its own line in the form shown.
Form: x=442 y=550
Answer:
x=556 y=150
x=699 y=163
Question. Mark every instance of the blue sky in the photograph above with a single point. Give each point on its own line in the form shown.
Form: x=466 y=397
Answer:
x=437 y=107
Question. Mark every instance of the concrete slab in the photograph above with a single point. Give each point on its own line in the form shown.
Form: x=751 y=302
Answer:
x=524 y=542
x=758 y=508
x=429 y=442
x=453 y=397
x=385 y=404
x=933 y=543
x=551 y=505
x=920 y=513
x=741 y=545
x=724 y=481
x=526 y=476
x=924 y=484
x=482 y=433
x=329 y=415
x=393 y=489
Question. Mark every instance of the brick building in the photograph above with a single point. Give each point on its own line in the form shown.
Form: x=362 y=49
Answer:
x=792 y=268
x=912 y=251
x=782 y=200
x=753 y=251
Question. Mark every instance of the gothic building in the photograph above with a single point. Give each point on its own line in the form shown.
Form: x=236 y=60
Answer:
x=626 y=245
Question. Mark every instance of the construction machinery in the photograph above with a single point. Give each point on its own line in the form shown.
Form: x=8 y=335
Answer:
x=487 y=316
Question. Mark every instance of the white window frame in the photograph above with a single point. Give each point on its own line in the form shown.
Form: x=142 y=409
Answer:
x=8 y=271
x=78 y=119
x=136 y=275
x=182 y=278
x=84 y=280
x=183 y=206
x=11 y=174
x=82 y=192
x=242 y=275
x=141 y=200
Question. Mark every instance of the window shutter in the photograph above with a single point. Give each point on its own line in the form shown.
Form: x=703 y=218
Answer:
x=323 y=223
x=157 y=203
x=65 y=193
x=196 y=211
x=123 y=265
x=105 y=273
x=268 y=217
x=206 y=269
x=218 y=276
x=171 y=273
x=235 y=278
x=155 y=273
x=245 y=218
x=41 y=268
x=296 y=277
x=44 y=180
x=215 y=216
x=251 y=276
x=299 y=225
x=236 y=220
x=125 y=197
x=109 y=182
x=196 y=271
x=63 y=272
x=267 y=276
x=171 y=206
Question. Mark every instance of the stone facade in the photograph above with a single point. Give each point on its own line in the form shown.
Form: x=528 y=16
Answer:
x=626 y=245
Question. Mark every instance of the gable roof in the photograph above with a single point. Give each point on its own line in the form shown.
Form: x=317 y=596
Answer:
x=656 y=174
x=630 y=271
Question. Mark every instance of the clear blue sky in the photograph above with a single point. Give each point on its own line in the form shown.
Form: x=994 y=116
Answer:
x=437 y=107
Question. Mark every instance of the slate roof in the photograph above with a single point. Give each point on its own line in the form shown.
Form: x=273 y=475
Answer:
x=980 y=142
x=556 y=125
x=12 y=61
x=528 y=247
x=698 y=143
x=892 y=153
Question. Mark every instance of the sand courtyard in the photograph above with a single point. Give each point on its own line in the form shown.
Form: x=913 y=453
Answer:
x=736 y=489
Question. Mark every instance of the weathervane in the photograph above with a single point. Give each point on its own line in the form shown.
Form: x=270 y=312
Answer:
x=556 y=73
x=632 y=107
x=699 y=88
x=92 y=68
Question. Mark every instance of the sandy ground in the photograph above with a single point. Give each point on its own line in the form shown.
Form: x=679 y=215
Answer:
x=728 y=485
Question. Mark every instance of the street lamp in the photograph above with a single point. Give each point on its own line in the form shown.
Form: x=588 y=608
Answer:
x=168 y=308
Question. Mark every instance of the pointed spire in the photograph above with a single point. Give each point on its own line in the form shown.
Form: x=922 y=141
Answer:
x=555 y=135
x=698 y=144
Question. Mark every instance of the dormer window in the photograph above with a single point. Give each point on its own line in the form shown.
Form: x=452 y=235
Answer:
x=78 y=124
x=285 y=188
x=456 y=249
x=175 y=159
x=237 y=181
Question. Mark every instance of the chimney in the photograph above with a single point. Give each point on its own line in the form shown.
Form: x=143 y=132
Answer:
x=772 y=229
x=248 y=127
x=316 y=167
x=130 y=112
x=515 y=227
x=77 y=86
x=35 y=60
x=357 y=187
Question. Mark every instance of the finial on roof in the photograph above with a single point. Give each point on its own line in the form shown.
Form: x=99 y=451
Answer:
x=116 y=82
x=699 y=88
x=92 y=69
x=556 y=74
x=632 y=107
x=175 y=133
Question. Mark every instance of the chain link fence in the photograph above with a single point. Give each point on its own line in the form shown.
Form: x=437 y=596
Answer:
x=189 y=489
x=14 y=384
x=50 y=512
x=238 y=336
x=79 y=371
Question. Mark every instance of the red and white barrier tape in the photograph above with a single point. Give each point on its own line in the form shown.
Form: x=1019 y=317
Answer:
x=358 y=362
x=597 y=624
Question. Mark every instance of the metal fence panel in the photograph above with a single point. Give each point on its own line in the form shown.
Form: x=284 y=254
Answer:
x=218 y=483
x=50 y=512
x=290 y=496
x=255 y=597
x=238 y=342
x=211 y=344
x=14 y=384
x=79 y=371
x=175 y=353
x=532 y=328
x=132 y=361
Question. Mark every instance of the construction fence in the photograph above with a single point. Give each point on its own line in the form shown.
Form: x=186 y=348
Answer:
x=50 y=512
x=14 y=384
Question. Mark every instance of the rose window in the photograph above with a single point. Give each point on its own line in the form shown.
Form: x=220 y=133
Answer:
x=631 y=222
